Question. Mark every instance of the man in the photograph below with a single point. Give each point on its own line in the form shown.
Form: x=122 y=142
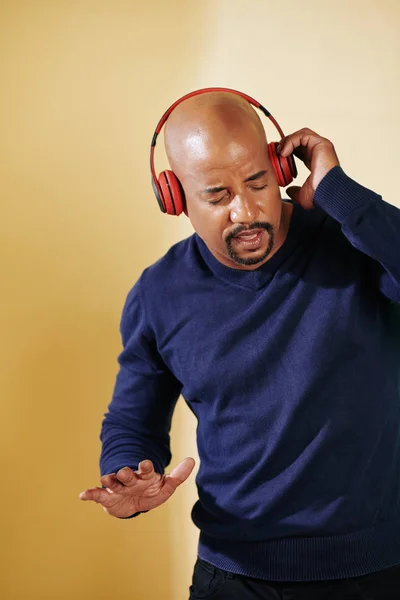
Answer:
x=276 y=323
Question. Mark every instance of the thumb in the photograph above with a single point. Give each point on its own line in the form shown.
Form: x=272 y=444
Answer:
x=178 y=475
x=293 y=192
x=304 y=195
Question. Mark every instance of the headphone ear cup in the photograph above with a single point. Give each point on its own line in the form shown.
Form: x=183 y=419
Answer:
x=292 y=166
x=172 y=193
x=284 y=166
x=158 y=195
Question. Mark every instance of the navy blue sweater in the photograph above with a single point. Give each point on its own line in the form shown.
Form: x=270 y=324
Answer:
x=292 y=371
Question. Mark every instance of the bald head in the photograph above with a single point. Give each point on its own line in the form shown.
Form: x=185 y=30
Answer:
x=216 y=146
x=203 y=124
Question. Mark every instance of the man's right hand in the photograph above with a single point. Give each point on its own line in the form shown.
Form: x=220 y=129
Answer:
x=128 y=492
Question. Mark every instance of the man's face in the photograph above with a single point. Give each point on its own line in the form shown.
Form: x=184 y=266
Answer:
x=233 y=199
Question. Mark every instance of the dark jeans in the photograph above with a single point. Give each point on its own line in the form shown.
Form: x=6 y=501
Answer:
x=212 y=583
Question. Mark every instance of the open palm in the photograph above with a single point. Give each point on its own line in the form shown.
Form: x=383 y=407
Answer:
x=128 y=492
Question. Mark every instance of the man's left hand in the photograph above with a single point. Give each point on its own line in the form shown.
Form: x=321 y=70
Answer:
x=319 y=156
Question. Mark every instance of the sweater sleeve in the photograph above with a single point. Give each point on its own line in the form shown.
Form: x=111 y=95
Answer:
x=370 y=224
x=137 y=423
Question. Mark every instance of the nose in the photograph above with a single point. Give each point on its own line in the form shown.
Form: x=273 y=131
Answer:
x=243 y=210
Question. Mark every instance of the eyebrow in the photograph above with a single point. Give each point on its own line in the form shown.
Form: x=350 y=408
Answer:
x=215 y=190
x=256 y=176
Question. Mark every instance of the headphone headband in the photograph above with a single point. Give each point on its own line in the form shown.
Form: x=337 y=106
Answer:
x=155 y=182
x=204 y=91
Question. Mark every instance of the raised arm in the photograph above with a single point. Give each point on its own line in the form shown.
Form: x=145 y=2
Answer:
x=370 y=224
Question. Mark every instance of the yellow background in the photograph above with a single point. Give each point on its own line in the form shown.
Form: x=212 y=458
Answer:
x=82 y=85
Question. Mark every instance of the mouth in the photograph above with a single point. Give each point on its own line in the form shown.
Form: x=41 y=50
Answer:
x=250 y=240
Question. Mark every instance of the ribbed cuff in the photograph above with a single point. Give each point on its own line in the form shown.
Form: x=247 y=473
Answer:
x=340 y=196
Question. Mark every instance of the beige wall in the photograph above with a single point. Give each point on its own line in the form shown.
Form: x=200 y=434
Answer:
x=82 y=86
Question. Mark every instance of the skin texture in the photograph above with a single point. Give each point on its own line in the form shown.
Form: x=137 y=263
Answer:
x=318 y=155
x=217 y=140
x=128 y=492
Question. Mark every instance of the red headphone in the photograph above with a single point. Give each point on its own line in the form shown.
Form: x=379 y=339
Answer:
x=167 y=188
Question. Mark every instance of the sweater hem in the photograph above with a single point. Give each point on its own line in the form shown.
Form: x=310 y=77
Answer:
x=308 y=558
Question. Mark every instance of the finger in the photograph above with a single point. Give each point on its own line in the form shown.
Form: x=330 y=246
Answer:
x=301 y=153
x=110 y=481
x=127 y=476
x=146 y=470
x=304 y=195
x=178 y=475
x=99 y=495
x=303 y=137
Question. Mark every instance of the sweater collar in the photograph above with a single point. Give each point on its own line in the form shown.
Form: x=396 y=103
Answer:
x=259 y=277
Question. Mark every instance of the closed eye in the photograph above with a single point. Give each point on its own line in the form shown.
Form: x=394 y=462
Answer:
x=213 y=202
x=253 y=187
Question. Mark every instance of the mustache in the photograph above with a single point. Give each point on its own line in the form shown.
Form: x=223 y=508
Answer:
x=241 y=228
